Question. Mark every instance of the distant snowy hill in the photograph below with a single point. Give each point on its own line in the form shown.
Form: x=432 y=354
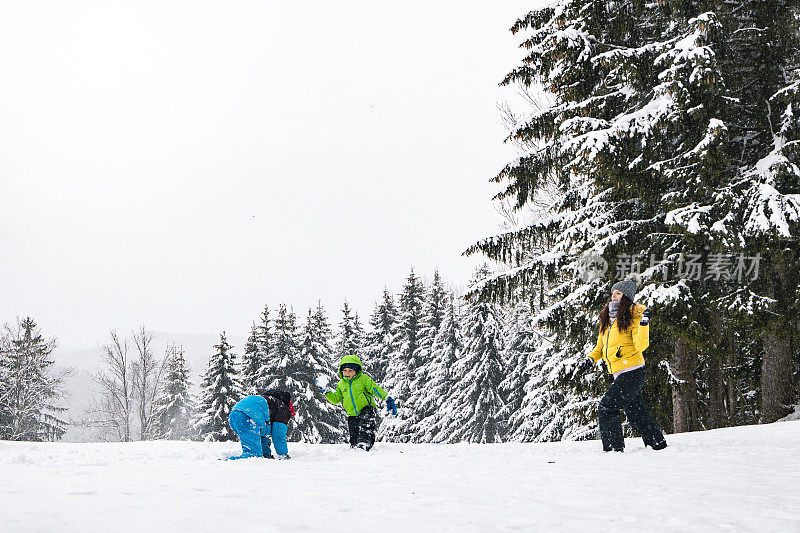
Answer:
x=80 y=386
x=734 y=479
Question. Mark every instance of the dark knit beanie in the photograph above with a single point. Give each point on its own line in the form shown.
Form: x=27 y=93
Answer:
x=626 y=287
x=351 y=366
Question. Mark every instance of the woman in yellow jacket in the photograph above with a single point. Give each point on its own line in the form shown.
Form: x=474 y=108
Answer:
x=624 y=335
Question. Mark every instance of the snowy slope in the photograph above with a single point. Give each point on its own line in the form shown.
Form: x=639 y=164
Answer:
x=737 y=479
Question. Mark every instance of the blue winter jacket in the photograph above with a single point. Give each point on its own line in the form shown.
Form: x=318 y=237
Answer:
x=256 y=408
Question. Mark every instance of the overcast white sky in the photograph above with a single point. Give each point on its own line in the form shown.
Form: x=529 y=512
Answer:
x=179 y=164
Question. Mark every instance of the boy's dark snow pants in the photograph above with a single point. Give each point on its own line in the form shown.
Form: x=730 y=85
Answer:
x=362 y=428
x=626 y=393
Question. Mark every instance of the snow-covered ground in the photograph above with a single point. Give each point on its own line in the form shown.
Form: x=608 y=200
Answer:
x=737 y=479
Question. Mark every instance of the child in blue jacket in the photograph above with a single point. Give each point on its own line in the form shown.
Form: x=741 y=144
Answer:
x=249 y=418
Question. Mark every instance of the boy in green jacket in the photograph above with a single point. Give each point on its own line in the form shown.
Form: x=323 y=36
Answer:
x=356 y=392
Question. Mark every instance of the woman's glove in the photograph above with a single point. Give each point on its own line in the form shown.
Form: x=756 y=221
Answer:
x=390 y=405
x=587 y=365
x=645 y=318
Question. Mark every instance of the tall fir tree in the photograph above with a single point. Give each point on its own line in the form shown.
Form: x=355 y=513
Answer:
x=474 y=406
x=521 y=343
x=539 y=405
x=264 y=340
x=406 y=427
x=440 y=379
x=401 y=376
x=292 y=366
x=29 y=390
x=317 y=420
x=284 y=349
x=220 y=390
x=433 y=310
x=176 y=409
x=349 y=342
x=634 y=149
x=323 y=332
x=757 y=209
x=360 y=335
x=252 y=358
x=381 y=341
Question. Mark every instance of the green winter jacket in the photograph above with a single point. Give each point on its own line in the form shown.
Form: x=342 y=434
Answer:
x=356 y=393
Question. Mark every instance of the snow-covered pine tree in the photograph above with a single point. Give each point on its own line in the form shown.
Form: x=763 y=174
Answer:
x=433 y=310
x=349 y=341
x=381 y=341
x=285 y=349
x=264 y=339
x=175 y=409
x=323 y=333
x=633 y=129
x=220 y=391
x=750 y=209
x=293 y=365
x=474 y=406
x=756 y=210
x=772 y=231
x=401 y=375
x=252 y=359
x=360 y=335
x=434 y=303
x=440 y=378
x=5 y=384
x=317 y=420
x=522 y=342
x=29 y=390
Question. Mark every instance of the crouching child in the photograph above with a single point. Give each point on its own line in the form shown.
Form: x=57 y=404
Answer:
x=356 y=392
x=249 y=418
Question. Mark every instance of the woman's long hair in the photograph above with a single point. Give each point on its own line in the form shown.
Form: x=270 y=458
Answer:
x=624 y=315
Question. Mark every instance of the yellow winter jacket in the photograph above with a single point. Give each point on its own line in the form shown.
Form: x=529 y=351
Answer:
x=623 y=350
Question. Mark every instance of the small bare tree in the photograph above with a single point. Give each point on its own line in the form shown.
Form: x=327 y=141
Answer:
x=115 y=407
x=129 y=387
x=147 y=382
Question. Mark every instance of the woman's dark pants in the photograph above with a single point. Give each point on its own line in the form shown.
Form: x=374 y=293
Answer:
x=362 y=428
x=626 y=393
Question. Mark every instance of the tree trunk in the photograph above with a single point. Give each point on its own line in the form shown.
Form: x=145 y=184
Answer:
x=716 y=417
x=684 y=388
x=732 y=396
x=716 y=395
x=777 y=396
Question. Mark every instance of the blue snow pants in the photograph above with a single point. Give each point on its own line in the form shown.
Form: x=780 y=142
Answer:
x=277 y=431
x=249 y=436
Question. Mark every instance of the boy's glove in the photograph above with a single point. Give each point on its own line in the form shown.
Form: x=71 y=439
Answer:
x=265 y=443
x=322 y=382
x=390 y=405
x=645 y=318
